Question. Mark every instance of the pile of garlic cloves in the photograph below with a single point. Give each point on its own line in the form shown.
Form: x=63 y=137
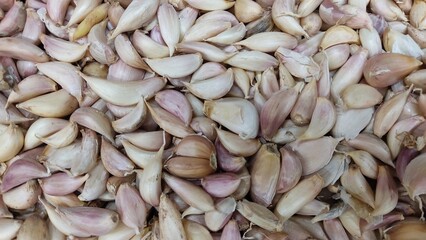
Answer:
x=212 y=119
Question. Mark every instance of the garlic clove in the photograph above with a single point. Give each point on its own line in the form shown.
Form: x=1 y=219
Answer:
x=20 y=172
x=114 y=161
x=175 y=103
x=216 y=219
x=229 y=36
x=10 y=227
x=259 y=215
x=323 y=119
x=210 y=6
x=337 y=35
x=168 y=22
x=94 y=17
x=62 y=50
x=313 y=208
x=95 y=185
x=24 y=196
x=95 y=120
x=335 y=230
x=221 y=184
x=245 y=124
x=170 y=220
x=226 y=161
x=60 y=184
x=57 y=9
x=176 y=66
x=13 y=141
x=290 y=171
x=231 y=231
x=113 y=182
x=350 y=122
x=196 y=231
x=298 y=65
x=252 y=61
x=351 y=222
x=82 y=9
x=88 y=155
x=373 y=145
x=131 y=207
x=212 y=88
x=283 y=15
x=236 y=145
x=305 y=105
x=247 y=11
x=34 y=227
x=195 y=146
x=361 y=96
x=355 y=183
x=148 y=47
x=395 y=137
x=190 y=167
x=14 y=20
x=150 y=141
x=139 y=156
x=386 y=196
x=99 y=48
x=367 y=164
x=131 y=121
x=34 y=27
x=209 y=52
x=63 y=137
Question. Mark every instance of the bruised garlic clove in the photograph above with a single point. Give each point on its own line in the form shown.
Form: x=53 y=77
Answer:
x=24 y=196
x=62 y=50
x=60 y=184
x=95 y=120
x=176 y=66
x=135 y=216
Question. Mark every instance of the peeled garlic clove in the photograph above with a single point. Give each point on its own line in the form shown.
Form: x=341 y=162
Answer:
x=193 y=195
x=176 y=103
x=304 y=107
x=168 y=22
x=22 y=197
x=389 y=112
x=355 y=183
x=366 y=163
x=265 y=171
x=82 y=9
x=20 y=172
x=311 y=162
x=82 y=221
x=337 y=35
x=55 y=104
x=22 y=49
x=95 y=16
x=245 y=124
x=114 y=161
x=34 y=227
x=95 y=120
x=236 y=145
x=169 y=122
x=212 y=88
x=259 y=215
x=131 y=207
x=10 y=227
x=269 y=41
x=63 y=137
x=170 y=220
x=247 y=11
x=290 y=171
x=137 y=14
x=131 y=121
x=220 y=184
x=252 y=61
x=62 y=50
x=176 y=66
x=13 y=141
x=14 y=20
x=95 y=185
x=150 y=141
x=361 y=96
x=323 y=119
x=196 y=231
x=381 y=70
x=275 y=111
x=210 y=6
x=395 y=137
x=216 y=219
x=60 y=184
x=412 y=179
x=350 y=122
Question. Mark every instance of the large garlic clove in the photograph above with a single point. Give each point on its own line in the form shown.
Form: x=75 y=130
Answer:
x=170 y=220
x=62 y=50
x=176 y=66
x=259 y=215
x=94 y=119
x=13 y=140
x=355 y=183
x=131 y=207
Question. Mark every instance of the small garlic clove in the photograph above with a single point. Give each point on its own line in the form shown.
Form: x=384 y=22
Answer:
x=168 y=22
x=337 y=35
x=14 y=20
x=252 y=61
x=139 y=156
x=137 y=14
x=150 y=179
x=275 y=111
x=323 y=119
x=148 y=47
x=304 y=192
x=305 y=105
x=95 y=185
x=94 y=17
x=210 y=6
x=34 y=27
x=60 y=184
x=208 y=51
x=361 y=96
x=10 y=227
x=386 y=196
x=335 y=230
x=176 y=66
x=245 y=124
x=355 y=183
x=190 y=167
x=229 y=36
x=57 y=9
x=62 y=50
x=176 y=103
x=247 y=11
x=34 y=227
x=114 y=161
x=307 y=150
x=24 y=196
x=88 y=155
x=381 y=70
x=170 y=220
x=150 y=141
x=20 y=172
x=82 y=9
x=221 y=185
x=93 y=119
x=389 y=112
x=216 y=219
x=313 y=208
x=13 y=140
x=82 y=221
x=290 y=171
x=298 y=64
x=367 y=164
x=231 y=231
x=55 y=104
x=131 y=121
x=283 y=15
x=412 y=180
x=265 y=171
x=351 y=222
x=63 y=137
x=259 y=215
x=128 y=53
x=212 y=88
x=22 y=49
x=187 y=17
x=236 y=145
x=131 y=207
x=99 y=48
x=193 y=195
x=226 y=161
